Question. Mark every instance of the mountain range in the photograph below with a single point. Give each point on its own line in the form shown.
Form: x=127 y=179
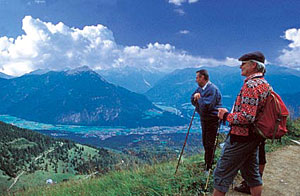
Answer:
x=175 y=89
x=133 y=79
x=83 y=97
x=80 y=97
x=293 y=103
x=5 y=76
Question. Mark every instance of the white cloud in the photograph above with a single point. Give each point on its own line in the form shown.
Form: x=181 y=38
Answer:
x=165 y=57
x=179 y=11
x=291 y=56
x=46 y=45
x=184 y=32
x=57 y=47
x=32 y=2
x=39 y=1
x=193 y=1
x=294 y=36
x=179 y=2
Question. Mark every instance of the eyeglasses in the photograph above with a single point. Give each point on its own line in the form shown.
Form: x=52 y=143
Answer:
x=244 y=63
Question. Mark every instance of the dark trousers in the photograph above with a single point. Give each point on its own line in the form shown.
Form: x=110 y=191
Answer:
x=209 y=132
x=236 y=156
x=262 y=153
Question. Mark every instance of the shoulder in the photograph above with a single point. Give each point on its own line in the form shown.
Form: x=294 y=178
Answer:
x=214 y=87
x=258 y=86
x=255 y=82
x=211 y=85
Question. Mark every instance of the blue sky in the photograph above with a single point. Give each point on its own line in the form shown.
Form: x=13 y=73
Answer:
x=151 y=34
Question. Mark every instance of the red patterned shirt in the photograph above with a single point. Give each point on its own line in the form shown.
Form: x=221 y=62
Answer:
x=249 y=101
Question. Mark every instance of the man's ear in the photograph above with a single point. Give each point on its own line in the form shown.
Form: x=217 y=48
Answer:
x=254 y=65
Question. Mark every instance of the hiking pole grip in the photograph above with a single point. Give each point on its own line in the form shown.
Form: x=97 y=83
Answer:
x=186 y=137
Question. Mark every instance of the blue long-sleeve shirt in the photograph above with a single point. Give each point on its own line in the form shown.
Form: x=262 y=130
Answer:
x=210 y=101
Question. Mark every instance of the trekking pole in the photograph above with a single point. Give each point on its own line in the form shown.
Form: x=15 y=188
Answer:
x=213 y=155
x=187 y=134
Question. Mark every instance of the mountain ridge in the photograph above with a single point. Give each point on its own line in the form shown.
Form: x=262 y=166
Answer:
x=133 y=79
x=81 y=97
x=176 y=88
x=5 y=76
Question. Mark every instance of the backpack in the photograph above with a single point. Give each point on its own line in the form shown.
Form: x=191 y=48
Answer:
x=271 y=122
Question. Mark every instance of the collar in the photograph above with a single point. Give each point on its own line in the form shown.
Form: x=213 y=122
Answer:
x=253 y=76
x=204 y=87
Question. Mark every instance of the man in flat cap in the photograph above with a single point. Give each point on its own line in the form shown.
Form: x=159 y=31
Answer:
x=241 y=145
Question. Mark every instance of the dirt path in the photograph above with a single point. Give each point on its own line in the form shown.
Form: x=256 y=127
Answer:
x=38 y=157
x=15 y=180
x=282 y=173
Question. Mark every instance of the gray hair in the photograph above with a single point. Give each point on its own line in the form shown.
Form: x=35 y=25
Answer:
x=261 y=67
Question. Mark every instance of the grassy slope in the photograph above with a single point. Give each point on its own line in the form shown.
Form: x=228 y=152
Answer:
x=21 y=143
x=4 y=180
x=58 y=160
x=39 y=177
x=150 y=180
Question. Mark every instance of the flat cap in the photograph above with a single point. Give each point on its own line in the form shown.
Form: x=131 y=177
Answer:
x=257 y=56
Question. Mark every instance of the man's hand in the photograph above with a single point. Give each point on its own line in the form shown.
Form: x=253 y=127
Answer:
x=221 y=112
x=197 y=96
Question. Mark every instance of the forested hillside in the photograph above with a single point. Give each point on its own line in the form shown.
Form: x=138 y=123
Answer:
x=24 y=154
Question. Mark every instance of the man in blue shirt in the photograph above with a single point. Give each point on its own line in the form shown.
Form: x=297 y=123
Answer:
x=207 y=100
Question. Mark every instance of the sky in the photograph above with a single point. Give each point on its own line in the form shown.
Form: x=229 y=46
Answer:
x=155 y=35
